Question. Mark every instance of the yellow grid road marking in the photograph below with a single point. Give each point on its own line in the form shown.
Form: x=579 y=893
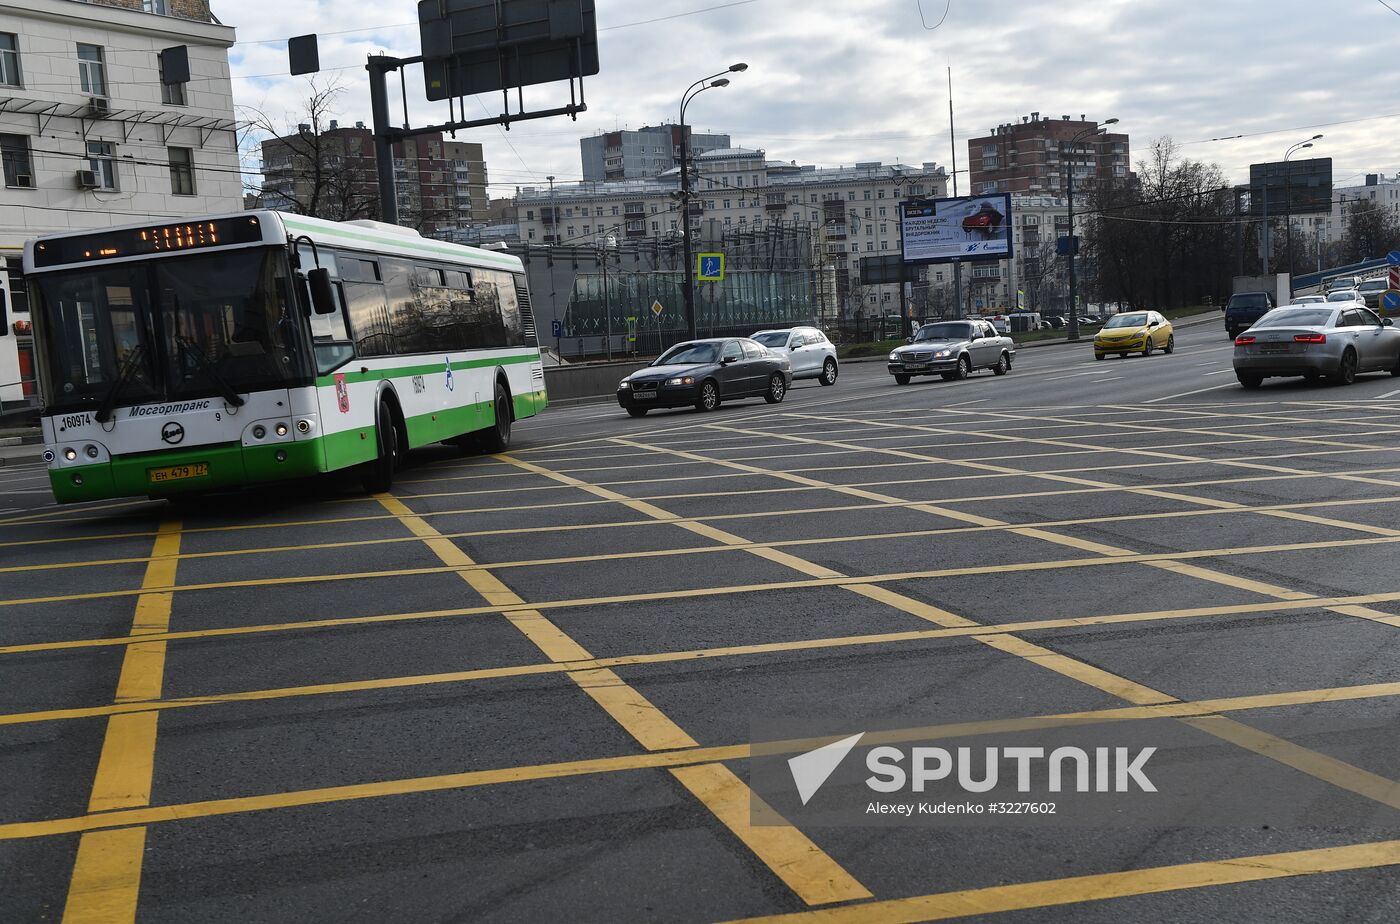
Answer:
x=1217 y=577
x=674 y=758
x=107 y=872
x=953 y=626
x=943 y=906
x=1329 y=770
x=792 y=856
x=1146 y=557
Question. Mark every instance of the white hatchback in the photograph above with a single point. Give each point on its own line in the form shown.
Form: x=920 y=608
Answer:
x=812 y=355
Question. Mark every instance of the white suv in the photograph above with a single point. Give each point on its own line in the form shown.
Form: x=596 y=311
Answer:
x=812 y=355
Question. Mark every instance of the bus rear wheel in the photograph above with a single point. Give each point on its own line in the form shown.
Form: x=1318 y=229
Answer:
x=496 y=438
x=378 y=474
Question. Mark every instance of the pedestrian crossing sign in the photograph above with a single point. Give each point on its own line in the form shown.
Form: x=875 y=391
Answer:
x=709 y=267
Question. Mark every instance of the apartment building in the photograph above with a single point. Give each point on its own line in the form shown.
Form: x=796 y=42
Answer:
x=636 y=154
x=1036 y=155
x=332 y=173
x=111 y=112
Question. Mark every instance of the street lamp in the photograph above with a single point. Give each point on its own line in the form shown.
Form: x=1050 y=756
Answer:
x=553 y=215
x=688 y=276
x=1288 y=200
x=1073 y=240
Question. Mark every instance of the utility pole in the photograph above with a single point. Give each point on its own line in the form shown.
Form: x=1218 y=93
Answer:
x=953 y=143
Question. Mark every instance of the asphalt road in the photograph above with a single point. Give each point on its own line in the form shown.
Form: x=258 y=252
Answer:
x=526 y=687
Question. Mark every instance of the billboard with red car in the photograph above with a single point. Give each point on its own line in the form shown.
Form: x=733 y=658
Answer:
x=952 y=230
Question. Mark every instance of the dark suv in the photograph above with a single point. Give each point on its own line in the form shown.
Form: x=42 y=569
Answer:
x=1244 y=308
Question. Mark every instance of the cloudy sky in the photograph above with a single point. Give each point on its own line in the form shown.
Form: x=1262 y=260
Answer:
x=838 y=81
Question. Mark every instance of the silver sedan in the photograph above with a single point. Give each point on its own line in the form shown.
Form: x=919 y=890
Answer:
x=1337 y=341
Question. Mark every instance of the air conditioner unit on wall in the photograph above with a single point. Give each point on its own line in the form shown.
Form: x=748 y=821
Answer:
x=24 y=180
x=99 y=108
x=87 y=179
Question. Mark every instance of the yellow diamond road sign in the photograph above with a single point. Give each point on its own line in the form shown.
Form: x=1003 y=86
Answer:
x=657 y=308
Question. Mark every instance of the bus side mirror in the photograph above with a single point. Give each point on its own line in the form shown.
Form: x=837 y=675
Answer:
x=4 y=316
x=322 y=291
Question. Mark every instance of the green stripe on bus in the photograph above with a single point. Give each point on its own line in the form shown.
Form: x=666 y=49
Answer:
x=374 y=375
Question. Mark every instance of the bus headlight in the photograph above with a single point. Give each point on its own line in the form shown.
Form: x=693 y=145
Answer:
x=91 y=450
x=70 y=453
x=259 y=432
x=281 y=429
x=303 y=426
x=281 y=455
x=48 y=455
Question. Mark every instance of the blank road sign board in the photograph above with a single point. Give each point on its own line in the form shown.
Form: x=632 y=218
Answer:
x=479 y=46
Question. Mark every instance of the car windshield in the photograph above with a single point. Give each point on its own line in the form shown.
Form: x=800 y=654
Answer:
x=930 y=332
x=1136 y=319
x=683 y=354
x=774 y=338
x=181 y=327
x=1309 y=300
x=1373 y=285
x=1296 y=317
x=1343 y=295
x=1249 y=300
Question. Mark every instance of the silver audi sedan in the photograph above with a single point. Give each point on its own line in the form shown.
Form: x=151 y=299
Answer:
x=1333 y=340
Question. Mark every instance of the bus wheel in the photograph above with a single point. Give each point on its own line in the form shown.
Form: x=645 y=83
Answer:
x=497 y=437
x=378 y=475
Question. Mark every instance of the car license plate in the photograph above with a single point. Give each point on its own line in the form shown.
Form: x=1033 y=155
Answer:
x=916 y=366
x=644 y=395
x=1273 y=348
x=177 y=472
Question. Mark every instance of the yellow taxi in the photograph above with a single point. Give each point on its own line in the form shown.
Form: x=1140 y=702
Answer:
x=1134 y=332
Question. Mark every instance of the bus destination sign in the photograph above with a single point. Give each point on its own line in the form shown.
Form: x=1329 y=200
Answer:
x=156 y=239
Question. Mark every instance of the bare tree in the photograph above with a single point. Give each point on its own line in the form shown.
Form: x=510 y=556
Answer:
x=1371 y=230
x=1168 y=239
x=309 y=169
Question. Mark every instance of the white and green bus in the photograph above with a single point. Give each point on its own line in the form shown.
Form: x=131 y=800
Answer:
x=264 y=346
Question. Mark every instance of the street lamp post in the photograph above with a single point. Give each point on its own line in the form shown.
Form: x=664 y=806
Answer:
x=1288 y=201
x=1074 y=240
x=688 y=272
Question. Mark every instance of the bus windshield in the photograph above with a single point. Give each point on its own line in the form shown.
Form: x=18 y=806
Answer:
x=178 y=327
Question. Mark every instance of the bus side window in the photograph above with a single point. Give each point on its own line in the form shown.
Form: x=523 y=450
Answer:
x=366 y=306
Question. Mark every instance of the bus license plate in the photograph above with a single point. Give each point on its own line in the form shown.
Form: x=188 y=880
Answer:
x=177 y=472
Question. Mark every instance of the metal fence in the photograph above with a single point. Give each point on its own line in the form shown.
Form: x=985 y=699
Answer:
x=745 y=302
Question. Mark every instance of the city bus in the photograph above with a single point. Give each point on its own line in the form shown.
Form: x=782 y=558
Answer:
x=262 y=346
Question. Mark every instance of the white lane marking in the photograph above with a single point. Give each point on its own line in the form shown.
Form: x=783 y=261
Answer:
x=1389 y=394
x=1219 y=372
x=1187 y=394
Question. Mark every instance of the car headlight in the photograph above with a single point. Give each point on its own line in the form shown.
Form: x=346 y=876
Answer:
x=623 y=384
x=941 y=354
x=894 y=357
x=683 y=380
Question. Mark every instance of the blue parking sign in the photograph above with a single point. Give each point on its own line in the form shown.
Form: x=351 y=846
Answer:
x=556 y=329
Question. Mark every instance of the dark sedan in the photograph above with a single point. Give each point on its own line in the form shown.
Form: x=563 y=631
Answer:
x=702 y=373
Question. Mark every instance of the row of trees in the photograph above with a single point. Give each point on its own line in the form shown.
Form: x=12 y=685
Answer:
x=1176 y=236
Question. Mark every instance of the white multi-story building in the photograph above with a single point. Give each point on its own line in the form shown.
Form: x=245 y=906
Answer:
x=854 y=210
x=91 y=135
x=1379 y=190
